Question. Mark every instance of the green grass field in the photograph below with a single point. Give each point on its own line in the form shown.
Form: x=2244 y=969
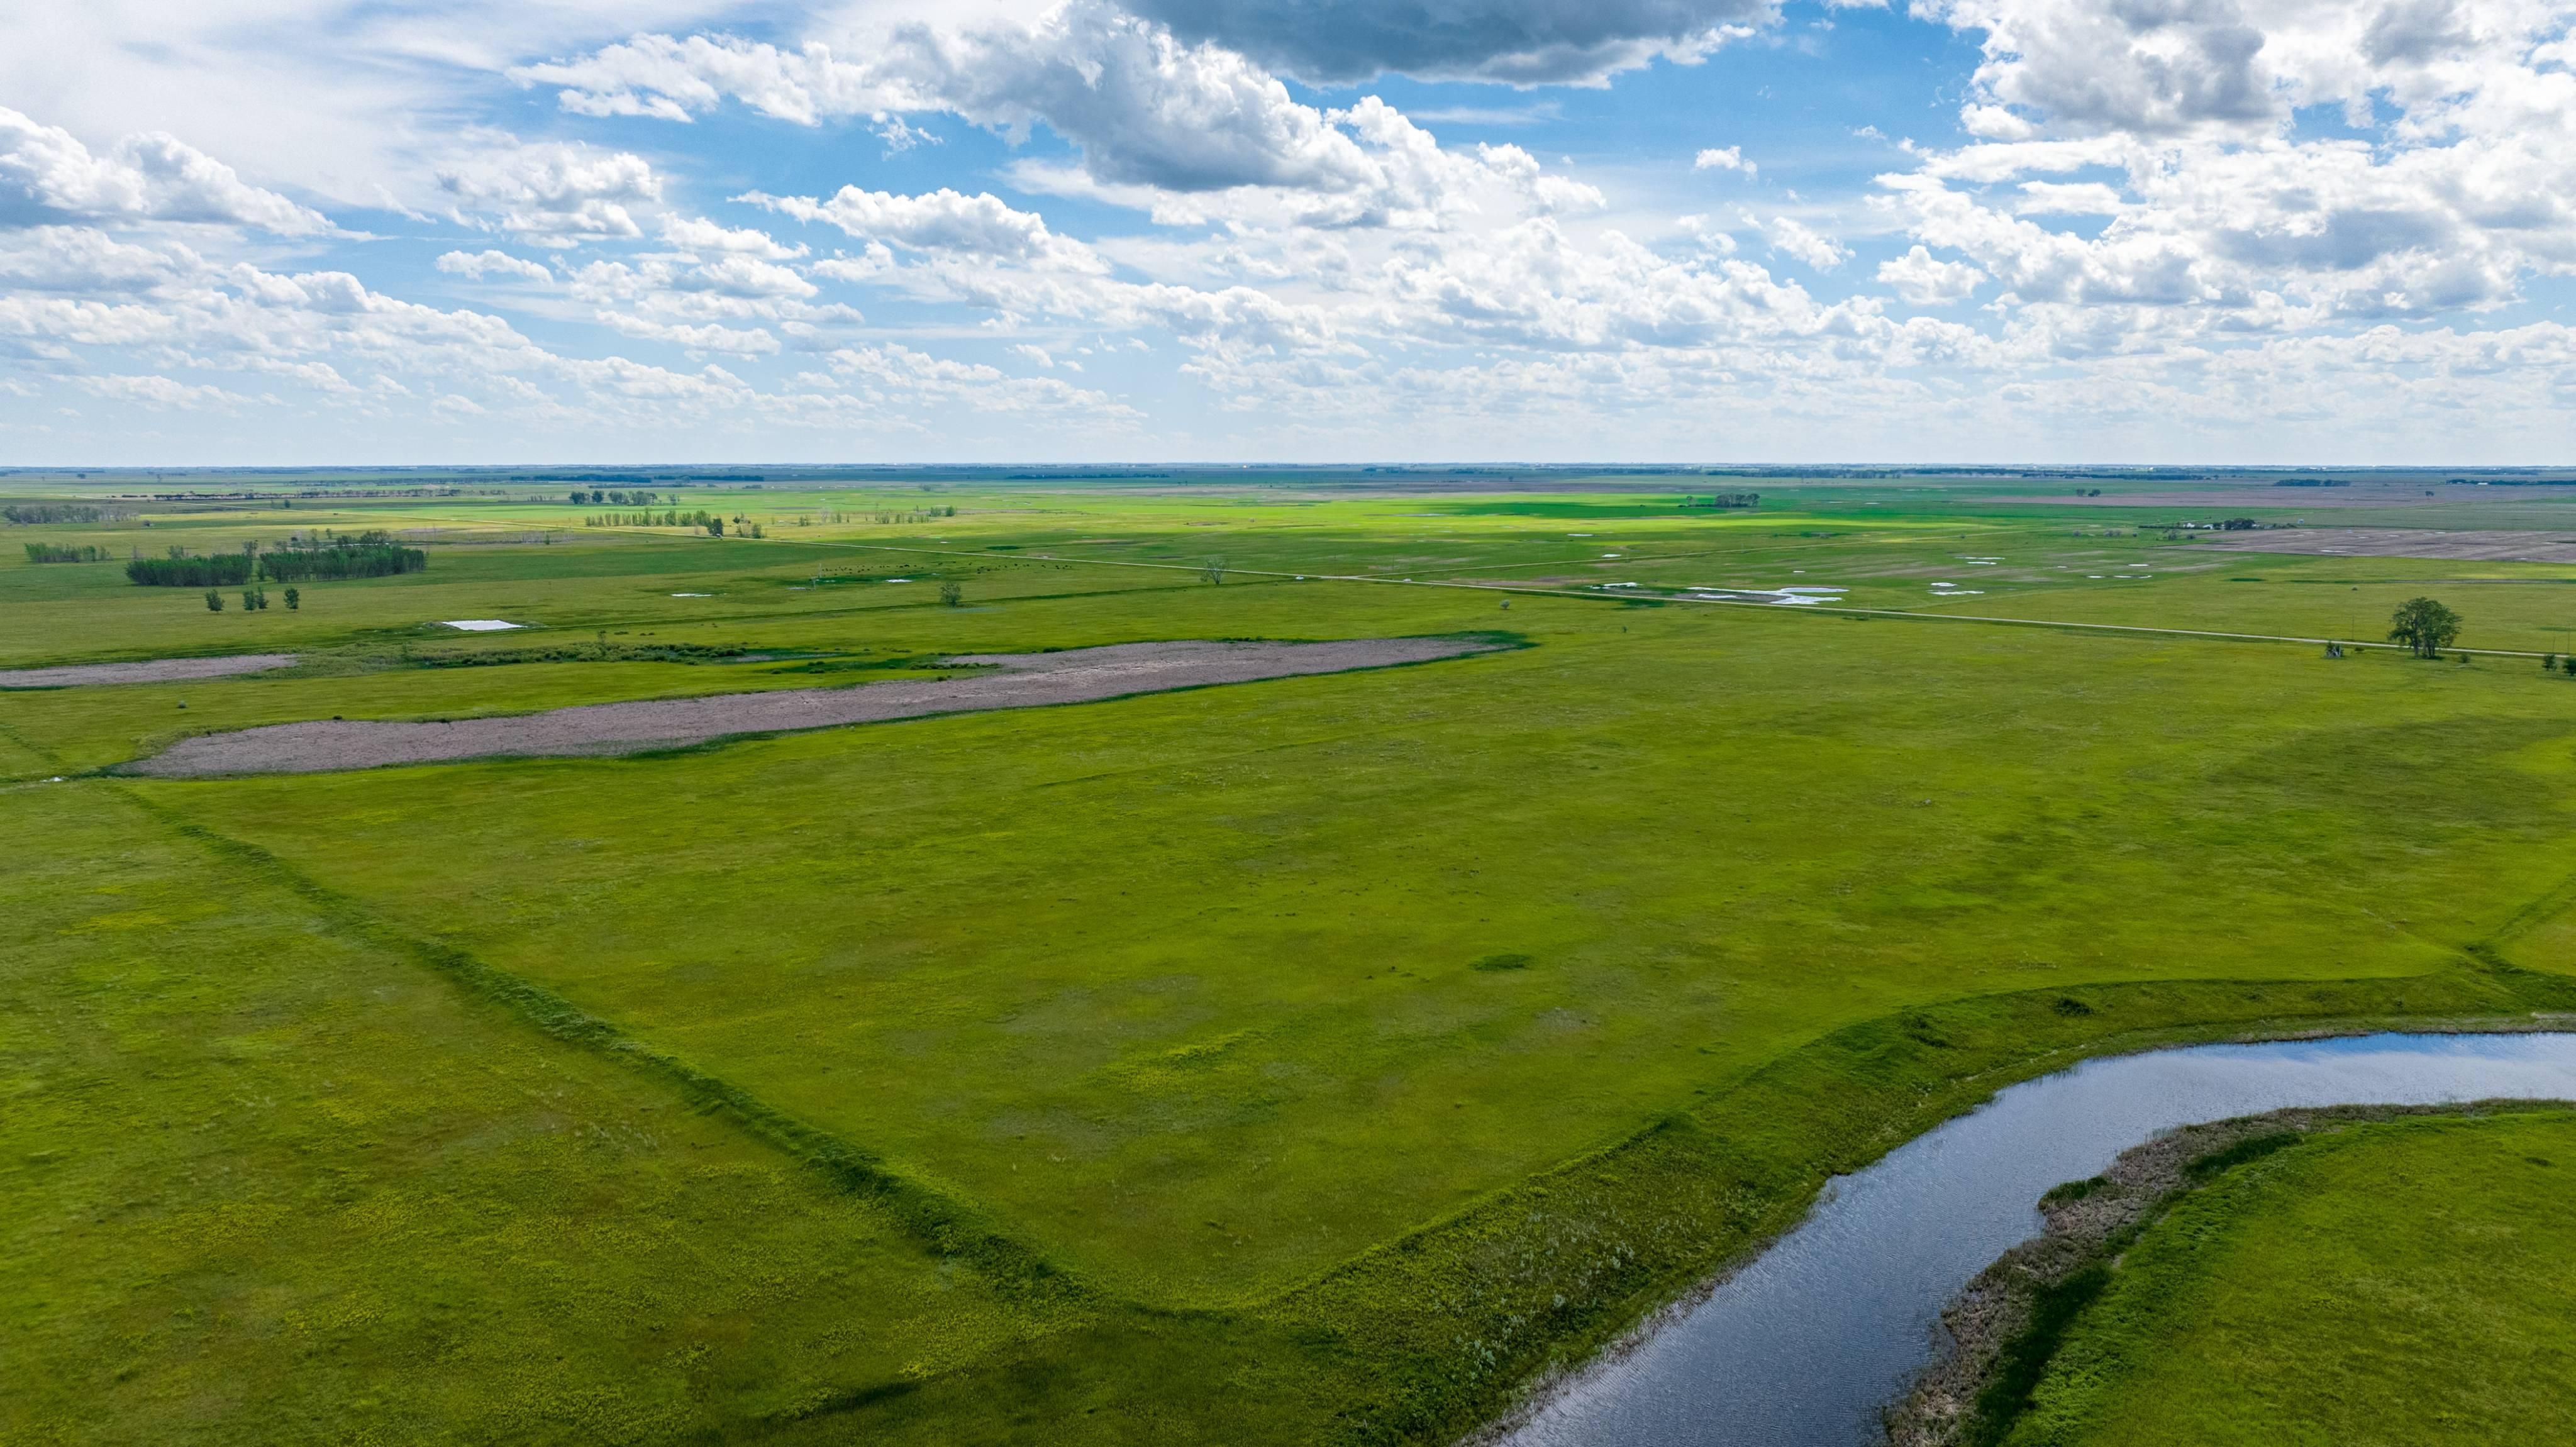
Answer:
x=1312 y=1060
x=2402 y=1283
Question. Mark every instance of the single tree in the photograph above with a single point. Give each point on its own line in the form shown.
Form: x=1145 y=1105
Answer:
x=2549 y=663
x=214 y=601
x=952 y=595
x=715 y=527
x=1213 y=570
x=250 y=600
x=294 y=600
x=2569 y=663
x=2424 y=626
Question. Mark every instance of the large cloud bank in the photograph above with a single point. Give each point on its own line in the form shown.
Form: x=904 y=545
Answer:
x=2260 y=225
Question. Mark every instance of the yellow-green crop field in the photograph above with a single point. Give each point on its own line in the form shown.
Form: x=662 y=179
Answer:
x=1316 y=1060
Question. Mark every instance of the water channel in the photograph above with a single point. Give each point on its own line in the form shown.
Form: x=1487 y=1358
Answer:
x=1805 y=1345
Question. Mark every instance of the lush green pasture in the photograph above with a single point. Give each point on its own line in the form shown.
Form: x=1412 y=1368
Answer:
x=2404 y=1283
x=1209 y=957
x=271 y=1177
x=1307 y=1060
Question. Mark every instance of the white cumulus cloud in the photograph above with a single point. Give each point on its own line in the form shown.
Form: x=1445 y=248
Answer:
x=942 y=220
x=552 y=193
x=150 y=177
x=1724 y=158
x=476 y=265
x=1925 y=280
x=1795 y=239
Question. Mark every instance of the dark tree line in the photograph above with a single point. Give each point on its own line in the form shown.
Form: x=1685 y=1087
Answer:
x=365 y=555
x=223 y=570
x=59 y=512
x=672 y=518
x=329 y=558
x=65 y=553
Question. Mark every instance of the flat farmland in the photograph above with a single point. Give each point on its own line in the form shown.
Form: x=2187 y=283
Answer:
x=1314 y=1058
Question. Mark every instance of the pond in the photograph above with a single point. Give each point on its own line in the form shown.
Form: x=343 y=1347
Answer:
x=1806 y=1344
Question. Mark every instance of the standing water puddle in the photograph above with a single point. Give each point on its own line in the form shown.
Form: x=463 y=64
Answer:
x=1805 y=1345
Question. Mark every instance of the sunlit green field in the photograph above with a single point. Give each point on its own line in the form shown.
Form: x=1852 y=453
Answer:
x=1311 y=1060
x=2411 y=1282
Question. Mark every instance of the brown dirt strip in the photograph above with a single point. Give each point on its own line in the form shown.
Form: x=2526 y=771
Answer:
x=1019 y=680
x=158 y=670
x=2500 y=546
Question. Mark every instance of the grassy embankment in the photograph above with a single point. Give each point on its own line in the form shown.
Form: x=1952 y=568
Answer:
x=2410 y=1282
x=1143 y=1048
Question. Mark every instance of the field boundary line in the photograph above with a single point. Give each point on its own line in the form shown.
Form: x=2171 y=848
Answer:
x=945 y=1226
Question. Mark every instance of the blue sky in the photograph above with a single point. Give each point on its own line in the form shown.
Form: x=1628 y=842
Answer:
x=313 y=231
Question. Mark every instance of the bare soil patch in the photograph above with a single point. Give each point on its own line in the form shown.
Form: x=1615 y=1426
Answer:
x=1017 y=680
x=2483 y=547
x=157 y=670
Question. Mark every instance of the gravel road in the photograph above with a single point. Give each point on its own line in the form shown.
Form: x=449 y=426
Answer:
x=1017 y=680
x=158 y=670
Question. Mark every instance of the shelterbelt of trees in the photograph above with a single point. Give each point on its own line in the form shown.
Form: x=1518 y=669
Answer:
x=304 y=559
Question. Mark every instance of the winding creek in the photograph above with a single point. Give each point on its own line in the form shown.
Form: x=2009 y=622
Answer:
x=1806 y=1344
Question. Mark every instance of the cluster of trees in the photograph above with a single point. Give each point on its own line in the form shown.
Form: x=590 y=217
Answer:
x=618 y=499
x=1725 y=499
x=301 y=559
x=59 y=512
x=672 y=518
x=2553 y=664
x=372 y=554
x=253 y=599
x=180 y=570
x=908 y=515
x=64 y=553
